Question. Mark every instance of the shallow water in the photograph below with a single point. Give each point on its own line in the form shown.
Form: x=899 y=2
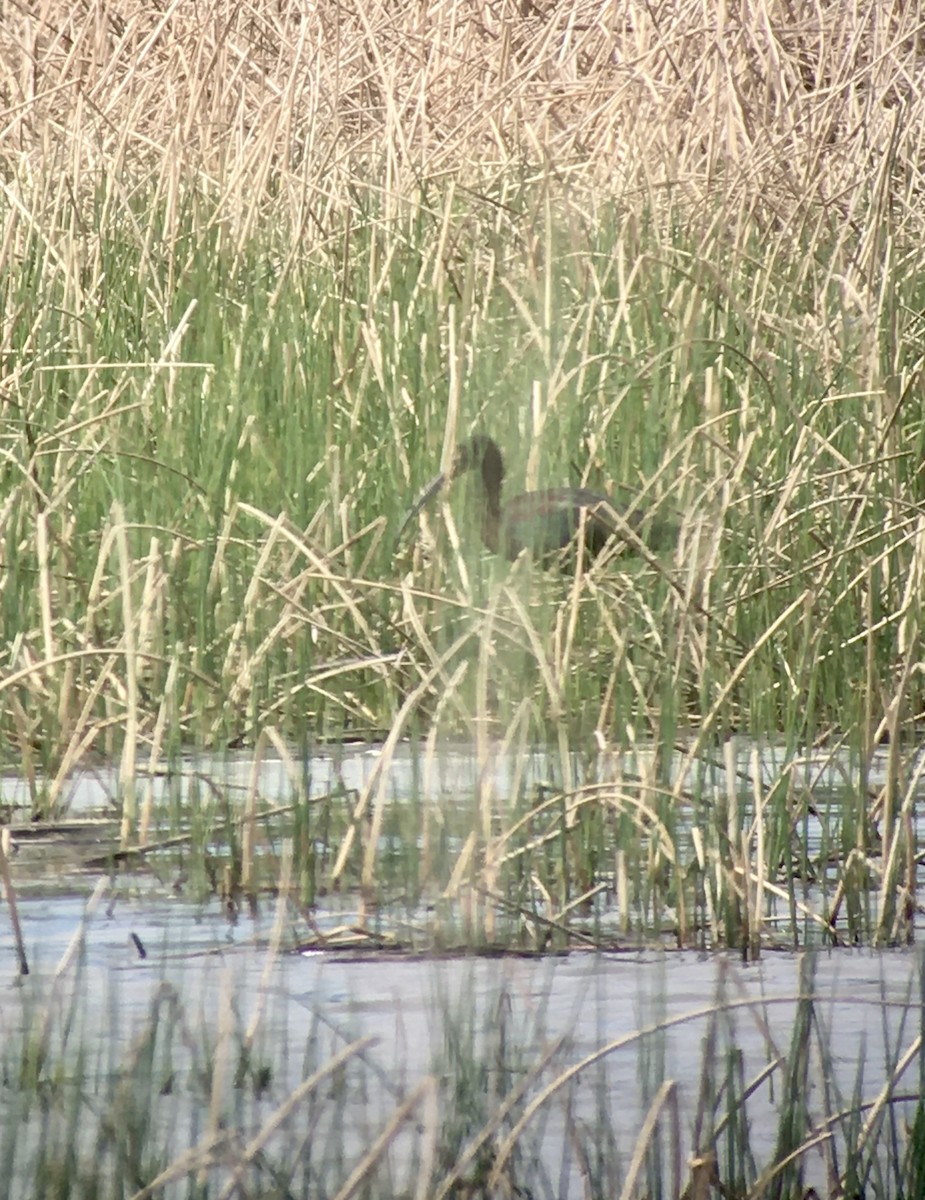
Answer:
x=314 y=1004
x=447 y=771
x=449 y=779
x=445 y=1019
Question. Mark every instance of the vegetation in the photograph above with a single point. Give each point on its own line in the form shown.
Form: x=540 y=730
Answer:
x=259 y=268
x=237 y=1081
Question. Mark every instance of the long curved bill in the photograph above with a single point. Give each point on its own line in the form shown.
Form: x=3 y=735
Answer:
x=431 y=490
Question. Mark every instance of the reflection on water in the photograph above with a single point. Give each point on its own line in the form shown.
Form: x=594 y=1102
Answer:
x=442 y=786
x=446 y=772
x=421 y=1012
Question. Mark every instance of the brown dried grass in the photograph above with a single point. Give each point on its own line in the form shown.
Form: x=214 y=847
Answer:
x=782 y=100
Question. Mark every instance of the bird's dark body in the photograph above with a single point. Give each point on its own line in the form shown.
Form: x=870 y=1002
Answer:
x=548 y=521
x=545 y=522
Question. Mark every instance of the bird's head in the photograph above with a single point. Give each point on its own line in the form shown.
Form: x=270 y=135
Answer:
x=479 y=453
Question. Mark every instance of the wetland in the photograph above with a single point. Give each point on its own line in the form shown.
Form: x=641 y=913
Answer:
x=341 y=856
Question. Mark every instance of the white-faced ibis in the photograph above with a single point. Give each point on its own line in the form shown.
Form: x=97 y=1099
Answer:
x=544 y=522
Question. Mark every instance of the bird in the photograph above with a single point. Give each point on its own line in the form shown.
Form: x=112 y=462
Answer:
x=546 y=522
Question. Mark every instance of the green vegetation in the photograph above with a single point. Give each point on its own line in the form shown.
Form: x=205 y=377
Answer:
x=211 y=1082
x=254 y=276
x=261 y=267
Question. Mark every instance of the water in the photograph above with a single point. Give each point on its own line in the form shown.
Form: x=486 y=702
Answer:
x=445 y=772
x=430 y=783
x=650 y=1013
x=468 y=1032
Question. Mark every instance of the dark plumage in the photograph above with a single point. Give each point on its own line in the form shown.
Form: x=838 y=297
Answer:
x=544 y=522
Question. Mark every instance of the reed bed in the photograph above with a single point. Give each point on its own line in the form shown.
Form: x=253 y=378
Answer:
x=178 y=1085
x=259 y=264
x=752 y=852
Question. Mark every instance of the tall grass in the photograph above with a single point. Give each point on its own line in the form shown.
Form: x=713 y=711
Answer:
x=259 y=267
x=202 y=1083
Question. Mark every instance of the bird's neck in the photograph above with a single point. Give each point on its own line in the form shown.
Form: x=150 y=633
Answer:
x=491 y=514
x=491 y=528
